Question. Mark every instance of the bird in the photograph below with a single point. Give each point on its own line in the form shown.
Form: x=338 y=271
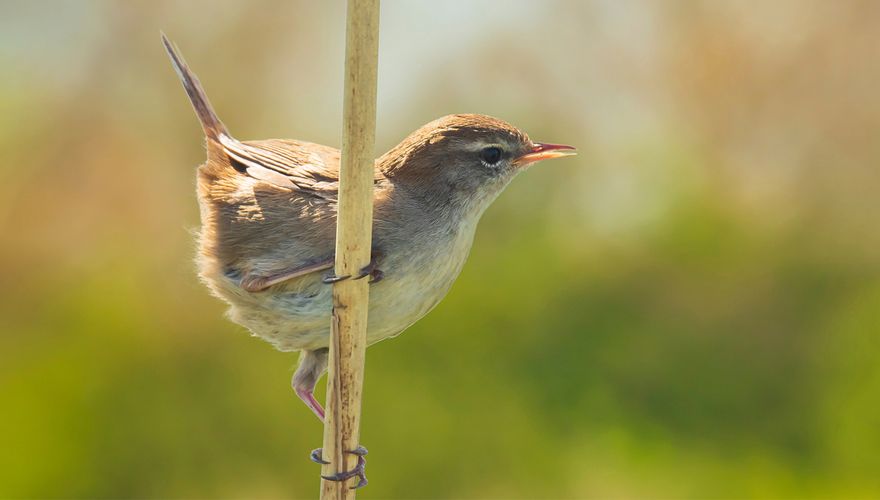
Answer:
x=268 y=218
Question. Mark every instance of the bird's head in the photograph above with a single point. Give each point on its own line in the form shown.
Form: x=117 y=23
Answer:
x=465 y=159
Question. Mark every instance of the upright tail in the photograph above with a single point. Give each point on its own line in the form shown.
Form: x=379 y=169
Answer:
x=212 y=125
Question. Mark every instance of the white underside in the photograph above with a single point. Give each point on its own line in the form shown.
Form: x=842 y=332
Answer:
x=296 y=315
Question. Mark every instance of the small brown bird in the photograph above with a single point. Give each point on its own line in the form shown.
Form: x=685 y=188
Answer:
x=268 y=211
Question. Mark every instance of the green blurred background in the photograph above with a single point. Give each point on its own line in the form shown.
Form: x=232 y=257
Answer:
x=690 y=308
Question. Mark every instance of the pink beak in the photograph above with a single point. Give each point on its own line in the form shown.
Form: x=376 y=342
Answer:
x=544 y=151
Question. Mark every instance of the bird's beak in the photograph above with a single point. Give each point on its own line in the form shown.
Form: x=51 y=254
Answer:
x=544 y=151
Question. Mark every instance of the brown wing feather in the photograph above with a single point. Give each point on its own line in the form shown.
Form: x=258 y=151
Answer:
x=305 y=166
x=268 y=207
x=259 y=223
x=302 y=166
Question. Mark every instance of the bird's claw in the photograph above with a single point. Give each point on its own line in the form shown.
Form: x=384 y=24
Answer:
x=376 y=276
x=372 y=270
x=332 y=278
x=359 y=469
x=316 y=457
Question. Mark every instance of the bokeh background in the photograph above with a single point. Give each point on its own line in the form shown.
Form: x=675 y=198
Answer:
x=690 y=308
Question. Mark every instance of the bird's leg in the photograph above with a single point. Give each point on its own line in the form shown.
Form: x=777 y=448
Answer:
x=257 y=283
x=312 y=365
x=359 y=469
x=309 y=399
x=372 y=270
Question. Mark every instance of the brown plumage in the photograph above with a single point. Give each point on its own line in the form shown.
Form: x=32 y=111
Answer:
x=268 y=211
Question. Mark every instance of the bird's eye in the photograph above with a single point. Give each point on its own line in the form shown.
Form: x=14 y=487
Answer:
x=491 y=155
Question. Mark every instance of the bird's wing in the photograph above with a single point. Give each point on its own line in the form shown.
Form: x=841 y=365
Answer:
x=300 y=166
x=278 y=234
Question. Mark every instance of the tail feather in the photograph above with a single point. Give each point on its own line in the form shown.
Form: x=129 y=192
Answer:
x=211 y=124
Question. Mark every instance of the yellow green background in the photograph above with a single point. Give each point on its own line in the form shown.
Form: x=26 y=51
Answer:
x=690 y=308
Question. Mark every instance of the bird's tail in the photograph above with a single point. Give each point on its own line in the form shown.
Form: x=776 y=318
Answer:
x=212 y=125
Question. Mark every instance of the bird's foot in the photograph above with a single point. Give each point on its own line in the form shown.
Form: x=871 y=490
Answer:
x=332 y=278
x=376 y=275
x=359 y=469
x=372 y=270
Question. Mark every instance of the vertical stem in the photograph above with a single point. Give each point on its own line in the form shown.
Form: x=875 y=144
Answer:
x=353 y=239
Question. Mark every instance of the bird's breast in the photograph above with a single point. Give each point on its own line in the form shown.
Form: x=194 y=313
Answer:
x=418 y=276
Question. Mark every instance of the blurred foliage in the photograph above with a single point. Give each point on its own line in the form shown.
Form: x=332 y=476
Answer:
x=690 y=308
